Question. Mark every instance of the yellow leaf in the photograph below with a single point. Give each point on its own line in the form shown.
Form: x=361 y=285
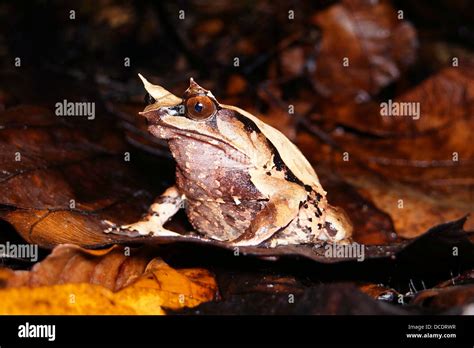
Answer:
x=74 y=299
x=159 y=287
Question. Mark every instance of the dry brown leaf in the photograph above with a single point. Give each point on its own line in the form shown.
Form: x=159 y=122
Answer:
x=60 y=178
x=411 y=174
x=73 y=280
x=74 y=299
x=113 y=268
x=376 y=43
x=445 y=97
x=413 y=210
x=446 y=298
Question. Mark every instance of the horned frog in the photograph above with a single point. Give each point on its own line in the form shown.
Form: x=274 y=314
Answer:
x=240 y=180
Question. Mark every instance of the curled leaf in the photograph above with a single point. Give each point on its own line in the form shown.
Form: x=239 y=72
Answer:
x=73 y=280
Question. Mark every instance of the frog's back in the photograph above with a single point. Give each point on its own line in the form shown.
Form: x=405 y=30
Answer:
x=292 y=157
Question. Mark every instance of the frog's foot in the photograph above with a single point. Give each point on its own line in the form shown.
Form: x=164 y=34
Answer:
x=140 y=228
x=338 y=227
x=164 y=207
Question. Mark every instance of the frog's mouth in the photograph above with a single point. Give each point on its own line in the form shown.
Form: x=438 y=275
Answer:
x=172 y=131
x=168 y=125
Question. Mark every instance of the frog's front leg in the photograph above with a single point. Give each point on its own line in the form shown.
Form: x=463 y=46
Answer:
x=162 y=209
x=281 y=209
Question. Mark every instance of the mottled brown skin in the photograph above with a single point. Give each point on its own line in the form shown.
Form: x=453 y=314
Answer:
x=210 y=177
x=210 y=190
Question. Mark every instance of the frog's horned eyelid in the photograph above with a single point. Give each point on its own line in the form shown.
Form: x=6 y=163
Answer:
x=160 y=94
x=144 y=80
x=195 y=88
x=149 y=87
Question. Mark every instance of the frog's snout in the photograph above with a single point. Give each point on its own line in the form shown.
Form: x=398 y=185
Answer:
x=154 y=115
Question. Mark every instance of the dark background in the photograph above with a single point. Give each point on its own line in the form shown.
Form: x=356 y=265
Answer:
x=151 y=35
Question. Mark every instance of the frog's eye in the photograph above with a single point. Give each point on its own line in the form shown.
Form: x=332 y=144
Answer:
x=200 y=107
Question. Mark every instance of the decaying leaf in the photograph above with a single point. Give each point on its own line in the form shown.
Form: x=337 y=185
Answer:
x=332 y=299
x=59 y=179
x=444 y=299
x=113 y=268
x=318 y=71
x=420 y=171
x=78 y=299
x=445 y=100
x=452 y=294
x=38 y=193
x=73 y=280
x=328 y=253
x=376 y=47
